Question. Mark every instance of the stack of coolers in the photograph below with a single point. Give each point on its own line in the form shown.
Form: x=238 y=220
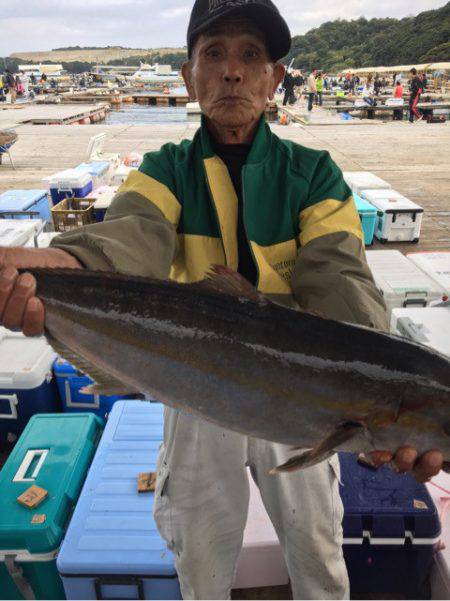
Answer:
x=398 y=218
x=71 y=183
x=53 y=454
x=27 y=385
x=112 y=549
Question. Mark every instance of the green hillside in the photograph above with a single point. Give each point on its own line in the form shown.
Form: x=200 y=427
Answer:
x=365 y=43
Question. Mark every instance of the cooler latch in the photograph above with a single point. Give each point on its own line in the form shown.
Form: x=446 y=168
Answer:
x=16 y=574
x=12 y=400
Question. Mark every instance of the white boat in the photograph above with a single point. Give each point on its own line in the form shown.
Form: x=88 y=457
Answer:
x=156 y=73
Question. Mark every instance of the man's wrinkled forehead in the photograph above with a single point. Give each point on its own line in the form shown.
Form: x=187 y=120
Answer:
x=234 y=26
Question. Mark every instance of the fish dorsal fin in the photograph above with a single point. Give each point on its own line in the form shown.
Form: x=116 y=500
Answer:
x=104 y=382
x=227 y=281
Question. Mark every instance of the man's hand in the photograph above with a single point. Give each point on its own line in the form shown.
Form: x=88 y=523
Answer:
x=20 y=309
x=407 y=459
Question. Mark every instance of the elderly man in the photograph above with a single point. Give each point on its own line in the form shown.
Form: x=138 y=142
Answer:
x=281 y=215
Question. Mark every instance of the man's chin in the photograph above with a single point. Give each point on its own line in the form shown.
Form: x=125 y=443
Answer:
x=232 y=119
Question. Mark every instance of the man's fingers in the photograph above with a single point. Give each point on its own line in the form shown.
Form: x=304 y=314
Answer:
x=379 y=458
x=33 y=318
x=8 y=277
x=428 y=466
x=404 y=459
x=24 y=289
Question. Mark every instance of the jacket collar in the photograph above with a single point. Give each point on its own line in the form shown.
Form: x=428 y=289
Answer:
x=260 y=147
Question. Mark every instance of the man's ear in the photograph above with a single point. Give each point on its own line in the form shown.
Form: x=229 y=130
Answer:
x=186 y=71
x=279 y=72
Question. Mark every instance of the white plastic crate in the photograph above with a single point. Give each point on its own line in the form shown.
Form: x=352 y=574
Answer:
x=401 y=282
x=436 y=265
x=261 y=562
x=364 y=180
x=399 y=219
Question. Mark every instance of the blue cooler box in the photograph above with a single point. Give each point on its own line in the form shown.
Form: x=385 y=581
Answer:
x=391 y=531
x=98 y=170
x=70 y=381
x=27 y=385
x=54 y=453
x=71 y=183
x=26 y=201
x=112 y=549
x=369 y=217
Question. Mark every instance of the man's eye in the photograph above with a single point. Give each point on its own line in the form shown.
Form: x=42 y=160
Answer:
x=251 y=54
x=213 y=53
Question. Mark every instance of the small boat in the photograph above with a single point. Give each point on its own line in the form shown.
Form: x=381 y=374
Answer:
x=7 y=139
x=156 y=74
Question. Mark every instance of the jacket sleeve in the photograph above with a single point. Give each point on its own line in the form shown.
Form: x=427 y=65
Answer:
x=331 y=275
x=138 y=235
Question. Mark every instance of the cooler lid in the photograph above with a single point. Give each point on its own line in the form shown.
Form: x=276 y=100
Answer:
x=20 y=200
x=385 y=508
x=396 y=275
x=25 y=363
x=95 y=169
x=362 y=206
x=365 y=179
x=390 y=201
x=54 y=453
x=17 y=232
x=70 y=178
x=112 y=529
x=436 y=265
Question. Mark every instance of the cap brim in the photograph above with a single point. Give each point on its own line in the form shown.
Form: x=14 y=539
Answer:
x=270 y=22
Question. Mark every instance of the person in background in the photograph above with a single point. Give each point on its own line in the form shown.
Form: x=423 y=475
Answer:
x=424 y=79
x=33 y=79
x=368 y=92
x=312 y=89
x=10 y=85
x=398 y=90
x=288 y=85
x=377 y=85
x=416 y=89
x=319 y=87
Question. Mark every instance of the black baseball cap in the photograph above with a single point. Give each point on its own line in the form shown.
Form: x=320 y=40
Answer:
x=263 y=13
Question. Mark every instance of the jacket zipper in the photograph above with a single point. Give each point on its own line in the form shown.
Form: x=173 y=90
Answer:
x=244 y=169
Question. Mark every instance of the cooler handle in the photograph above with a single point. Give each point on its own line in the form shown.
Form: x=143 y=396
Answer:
x=118 y=581
x=12 y=400
x=16 y=574
x=409 y=329
x=30 y=456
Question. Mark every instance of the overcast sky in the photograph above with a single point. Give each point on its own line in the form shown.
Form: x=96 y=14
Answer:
x=27 y=25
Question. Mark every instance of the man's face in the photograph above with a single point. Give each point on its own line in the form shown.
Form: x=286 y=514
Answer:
x=231 y=74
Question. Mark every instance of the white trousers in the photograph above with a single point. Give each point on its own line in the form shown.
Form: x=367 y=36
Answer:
x=201 y=507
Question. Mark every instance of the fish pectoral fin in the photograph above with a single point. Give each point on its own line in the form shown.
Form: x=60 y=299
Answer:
x=325 y=449
x=113 y=388
x=227 y=281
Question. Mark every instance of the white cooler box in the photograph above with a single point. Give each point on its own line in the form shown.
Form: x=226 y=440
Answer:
x=261 y=562
x=364 y=180
x=27 y=385
x=429 y=326
x=436 y=265
x=70 y=183
x=20 y=232
x=399 y=219
x=402 y=283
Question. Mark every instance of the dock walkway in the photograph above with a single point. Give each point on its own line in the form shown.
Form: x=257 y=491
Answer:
x=414 y=159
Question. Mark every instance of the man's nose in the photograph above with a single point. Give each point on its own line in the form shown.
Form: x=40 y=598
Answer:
x=233 y=71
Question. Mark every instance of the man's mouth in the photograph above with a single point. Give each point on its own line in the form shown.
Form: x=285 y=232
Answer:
x=232 y=99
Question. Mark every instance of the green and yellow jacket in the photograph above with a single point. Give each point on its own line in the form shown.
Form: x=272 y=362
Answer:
x=177 y=215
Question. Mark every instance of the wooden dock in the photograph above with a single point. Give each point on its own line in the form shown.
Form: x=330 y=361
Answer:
x=54 y=114
x=413 y=159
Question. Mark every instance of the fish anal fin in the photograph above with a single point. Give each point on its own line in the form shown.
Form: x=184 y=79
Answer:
x=227 y=281
x=327 y=447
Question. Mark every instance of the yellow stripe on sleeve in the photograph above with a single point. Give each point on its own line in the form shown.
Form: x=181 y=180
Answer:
x=155 y=192
x=328 y=217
